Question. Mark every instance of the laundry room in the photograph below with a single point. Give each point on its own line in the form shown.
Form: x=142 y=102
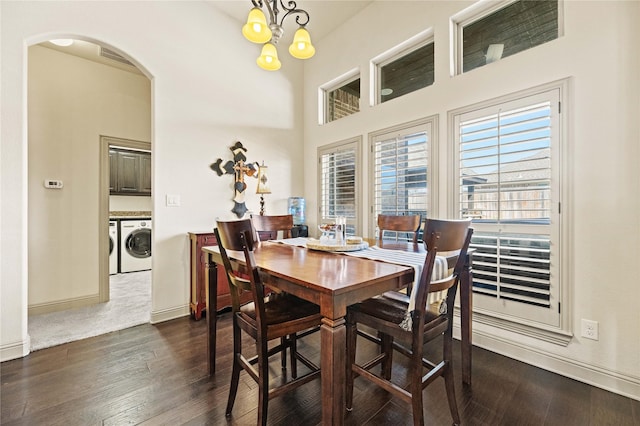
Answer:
x=130 y=226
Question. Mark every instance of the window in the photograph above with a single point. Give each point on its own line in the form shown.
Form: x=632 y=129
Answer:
x=337 y=177
x=405 y=69
x=508 y=181
x=341 y=99
x=401 y=170
x=513 y=27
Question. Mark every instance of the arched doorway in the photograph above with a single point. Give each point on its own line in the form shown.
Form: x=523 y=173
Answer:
x=75 y=97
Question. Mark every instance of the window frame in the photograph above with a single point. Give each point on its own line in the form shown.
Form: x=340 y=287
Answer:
x=476 y=12
x=352 y=144
x=335 y=84
x=559 y=332
x=430 y=126
x=403 y=49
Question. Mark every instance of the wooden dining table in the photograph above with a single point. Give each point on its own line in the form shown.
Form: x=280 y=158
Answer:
x=333 y=281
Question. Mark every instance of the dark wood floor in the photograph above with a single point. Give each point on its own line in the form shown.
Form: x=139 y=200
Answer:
x=158 y=375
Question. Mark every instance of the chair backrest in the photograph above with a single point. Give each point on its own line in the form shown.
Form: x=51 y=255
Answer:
x=408 y=224
x=268 y=226
x=441 y=237
x=239 y=235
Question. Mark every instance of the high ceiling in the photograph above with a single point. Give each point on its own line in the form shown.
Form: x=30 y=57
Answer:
x=325 y=16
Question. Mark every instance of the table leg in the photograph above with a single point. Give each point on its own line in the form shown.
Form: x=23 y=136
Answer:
x=333 y=337
x=211 y=286
x=466 y=305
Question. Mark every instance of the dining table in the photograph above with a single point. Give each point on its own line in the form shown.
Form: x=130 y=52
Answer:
x=333 y=281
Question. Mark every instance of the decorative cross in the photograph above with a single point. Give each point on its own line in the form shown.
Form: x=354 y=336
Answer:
x=239 y=168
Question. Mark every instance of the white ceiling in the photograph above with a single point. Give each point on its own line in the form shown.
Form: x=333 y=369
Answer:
x=324 y=16
x=90 y=51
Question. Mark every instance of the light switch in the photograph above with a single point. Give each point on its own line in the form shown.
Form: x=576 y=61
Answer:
x=173 y=200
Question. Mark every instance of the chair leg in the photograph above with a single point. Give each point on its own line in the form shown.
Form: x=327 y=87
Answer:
x=451 y=393
x=292 y=353
x=387 y=349
x=263 y=382
x=415 y=371
x=283 y=354
x=447 y=354
x=351 y=359
x=235 y=372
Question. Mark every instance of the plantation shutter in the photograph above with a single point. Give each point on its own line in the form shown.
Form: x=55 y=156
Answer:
x=506 y=185
x=338 y=185
x=400 y=162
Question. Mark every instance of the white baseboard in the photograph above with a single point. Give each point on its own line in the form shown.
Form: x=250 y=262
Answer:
x=15 y=350
x=169 y=314
x=63 y=305
x=597 y=376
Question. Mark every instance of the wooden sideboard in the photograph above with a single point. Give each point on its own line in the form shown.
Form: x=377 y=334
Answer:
x=198 y=301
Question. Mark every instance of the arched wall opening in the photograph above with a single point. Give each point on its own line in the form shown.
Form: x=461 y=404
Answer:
x=70 y=107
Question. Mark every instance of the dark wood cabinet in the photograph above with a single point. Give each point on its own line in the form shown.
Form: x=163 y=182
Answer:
x=198 y=302
x=130 y=172
x=113 y=171
x=145 y=173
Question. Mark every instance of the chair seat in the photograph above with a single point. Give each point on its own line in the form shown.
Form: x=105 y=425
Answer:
x=392 y=308
x=284 y=309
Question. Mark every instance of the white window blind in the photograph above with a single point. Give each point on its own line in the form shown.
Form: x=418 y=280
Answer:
x=505 y=165
x=337 y=177
x=508 y=182
x=400 y=173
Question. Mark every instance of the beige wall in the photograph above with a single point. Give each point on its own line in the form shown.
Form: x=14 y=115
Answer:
x=599 y=52
x=207 y=93
x=71 y=102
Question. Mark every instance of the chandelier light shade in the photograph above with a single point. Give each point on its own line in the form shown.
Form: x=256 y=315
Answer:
x=268 y=59
x=301 y=47
x=258 y=30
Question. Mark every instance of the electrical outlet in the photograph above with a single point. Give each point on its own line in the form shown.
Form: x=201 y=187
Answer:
x=590 y=329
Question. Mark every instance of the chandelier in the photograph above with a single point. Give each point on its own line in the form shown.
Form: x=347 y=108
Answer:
x=256 y=30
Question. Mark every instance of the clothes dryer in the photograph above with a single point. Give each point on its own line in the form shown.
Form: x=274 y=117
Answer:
x=135 y=248
x=113 y=247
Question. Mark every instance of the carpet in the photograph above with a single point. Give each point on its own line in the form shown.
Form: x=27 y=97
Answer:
x=129 y=305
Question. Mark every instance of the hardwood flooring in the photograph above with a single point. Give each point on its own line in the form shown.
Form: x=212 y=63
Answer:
x=157 y=375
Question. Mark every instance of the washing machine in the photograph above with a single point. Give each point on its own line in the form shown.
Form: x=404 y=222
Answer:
x=113 y=247
x=135 y=248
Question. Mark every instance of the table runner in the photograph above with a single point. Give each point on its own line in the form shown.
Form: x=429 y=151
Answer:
x=400 y=257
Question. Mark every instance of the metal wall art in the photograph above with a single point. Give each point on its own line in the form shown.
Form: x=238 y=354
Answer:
x=239 y=168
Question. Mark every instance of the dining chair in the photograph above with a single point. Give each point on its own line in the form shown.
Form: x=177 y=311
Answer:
x=264 y=319
x=409 y=224
x=406 y=324
x=269 y=226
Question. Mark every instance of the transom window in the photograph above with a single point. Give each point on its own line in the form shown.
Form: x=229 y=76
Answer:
x=341 y=99
x=511 y=27
x=406 y=69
